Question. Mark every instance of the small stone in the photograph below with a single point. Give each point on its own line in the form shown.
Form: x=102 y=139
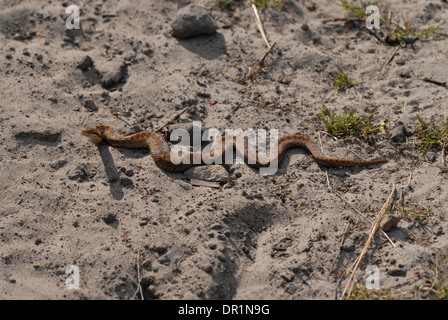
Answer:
x=247 y=196
x=85 y=63
x=127 y=183
x=185 y=185
x=258 y=196
x=193 y=20
x=208 y=269
x=204 y=95
x=110 y=218
x=398 y=133
x=147 y=265
x=90 y=105
x=111 y=73
x=290 y=289
x=78 y=174
x=129 y=172
x=53 y=99
x=147 y=281
x=214 y=173
x=58 y=164
x=397 y=272
x=349 y=245
x=144 y=221
x=389 y=222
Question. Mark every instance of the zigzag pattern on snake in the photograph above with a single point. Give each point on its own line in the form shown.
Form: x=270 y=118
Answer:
x=160 y=151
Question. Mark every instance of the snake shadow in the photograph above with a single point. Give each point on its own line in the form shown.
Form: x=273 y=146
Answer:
x=112 y=175
x=209 y=47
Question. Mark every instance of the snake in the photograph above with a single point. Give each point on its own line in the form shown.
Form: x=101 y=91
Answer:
x=164 y=159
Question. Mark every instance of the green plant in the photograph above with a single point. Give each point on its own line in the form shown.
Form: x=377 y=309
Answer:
x=267 y=3
x=400 y=33
x=433 y=288
x=342 y=81
x=424 y=33
x=415 y=212
x=221 y=4
x=360 y=292
x=355 y=11
x=350 y=124
x=432 y=135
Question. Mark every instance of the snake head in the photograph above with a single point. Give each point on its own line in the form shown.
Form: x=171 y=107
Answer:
x=96 y=134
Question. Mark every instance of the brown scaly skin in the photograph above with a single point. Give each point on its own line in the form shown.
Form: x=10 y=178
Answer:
x=160 y=150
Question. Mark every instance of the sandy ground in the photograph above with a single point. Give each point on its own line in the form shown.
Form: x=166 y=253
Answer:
x=65 y=201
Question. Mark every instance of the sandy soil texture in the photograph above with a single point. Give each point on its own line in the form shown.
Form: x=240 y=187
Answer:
x=122 y=222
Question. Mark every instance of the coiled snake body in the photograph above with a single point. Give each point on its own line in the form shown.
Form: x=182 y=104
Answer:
x=161 y=153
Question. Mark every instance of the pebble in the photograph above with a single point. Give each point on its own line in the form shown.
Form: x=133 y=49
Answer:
x=110 y=218
x=291 y=289
x=85 y=63
x=185 y=185
x=215 y=173
x=144 y=221
x=77 y=174
x=208 y=269
x=193 y=20
x=58 y=164
x=111 y=73
x=389 y=222
x=398 y=133
x=349 y=245
x=216 y=226
x=400 y=272
x=127 y=183
x=90 y=105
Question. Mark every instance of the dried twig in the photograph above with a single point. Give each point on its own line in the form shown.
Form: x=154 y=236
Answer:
x=357 y=211
x=176 y=117
x=443 y=157
x=438 y=83
x=263 y=34
x=139 y=279
x=374 y=228
x=391 y=57
x=203 y=183
x=343 y=19
x=344 y=234
x=260 y=25
x=266 y=53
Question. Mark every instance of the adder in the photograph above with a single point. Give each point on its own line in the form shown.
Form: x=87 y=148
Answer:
x=161 y=152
